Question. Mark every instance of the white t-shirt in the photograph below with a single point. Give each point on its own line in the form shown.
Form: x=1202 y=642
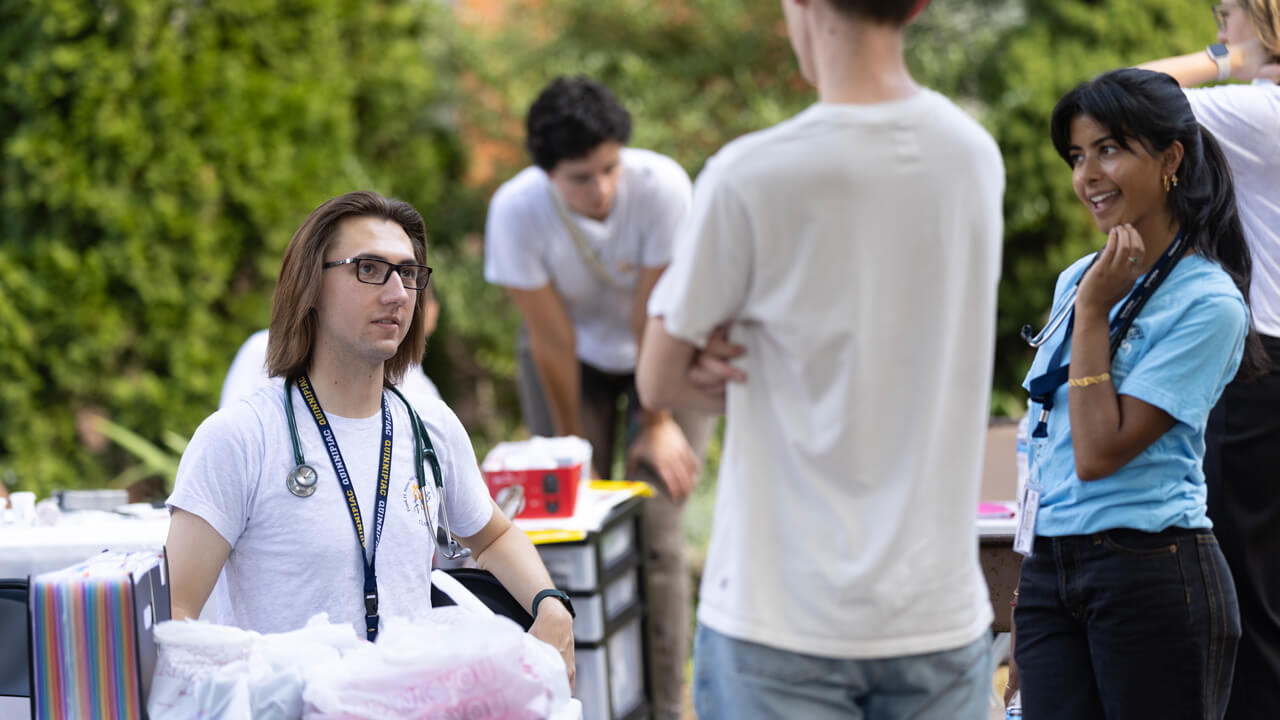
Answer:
x=856 y=250
x=292 y=557
x=1245 y=119
x=248 y=372
x=527 y=247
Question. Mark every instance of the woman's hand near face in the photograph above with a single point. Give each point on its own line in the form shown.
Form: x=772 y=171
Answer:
x=1113 y=274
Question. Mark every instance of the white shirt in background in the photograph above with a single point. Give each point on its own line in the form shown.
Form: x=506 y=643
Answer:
x=248 y=372
x=1245 y=119
x=527 y=246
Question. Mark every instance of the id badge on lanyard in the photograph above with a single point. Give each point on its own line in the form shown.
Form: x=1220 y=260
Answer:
x=1024 y=535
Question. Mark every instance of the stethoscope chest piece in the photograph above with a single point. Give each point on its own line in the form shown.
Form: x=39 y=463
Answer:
x=302 y=481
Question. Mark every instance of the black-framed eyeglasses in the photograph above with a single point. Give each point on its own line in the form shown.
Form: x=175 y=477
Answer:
x=377 y=272
x=1220 y=13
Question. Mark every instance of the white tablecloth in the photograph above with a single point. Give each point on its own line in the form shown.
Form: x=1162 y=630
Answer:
x=32 y=550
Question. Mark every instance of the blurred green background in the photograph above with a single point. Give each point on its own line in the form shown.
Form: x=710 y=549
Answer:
x=158 y=154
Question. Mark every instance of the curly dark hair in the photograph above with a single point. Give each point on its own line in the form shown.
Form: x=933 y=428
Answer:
x=885 y=12
x=570 y=118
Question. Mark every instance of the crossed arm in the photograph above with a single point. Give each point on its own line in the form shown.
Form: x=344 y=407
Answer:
x=674 y=373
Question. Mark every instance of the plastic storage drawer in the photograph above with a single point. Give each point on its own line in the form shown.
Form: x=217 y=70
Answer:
x=580 y=567
x=597 y=611
x=610 y=676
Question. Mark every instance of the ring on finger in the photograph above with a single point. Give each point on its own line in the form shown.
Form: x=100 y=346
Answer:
x=1133 y=260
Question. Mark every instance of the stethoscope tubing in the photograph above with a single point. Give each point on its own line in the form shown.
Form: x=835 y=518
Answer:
x=445 y=542
x=1064 y=311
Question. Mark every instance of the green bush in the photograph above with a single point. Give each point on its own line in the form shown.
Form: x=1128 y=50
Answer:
x=157 y=156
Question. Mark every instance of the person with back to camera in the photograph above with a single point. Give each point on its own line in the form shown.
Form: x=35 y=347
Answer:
x=1243 y=437
x=578 y=241
x=842 y=578
x=350 y=527
x=1125 y=604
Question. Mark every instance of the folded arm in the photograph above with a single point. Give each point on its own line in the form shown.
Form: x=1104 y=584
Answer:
x=1107 y=429
x=672 y=373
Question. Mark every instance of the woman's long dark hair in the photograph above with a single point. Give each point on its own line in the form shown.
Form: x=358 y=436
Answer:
x=1152 y=108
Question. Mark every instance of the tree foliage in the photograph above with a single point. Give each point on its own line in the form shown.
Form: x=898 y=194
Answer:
x=157 y=155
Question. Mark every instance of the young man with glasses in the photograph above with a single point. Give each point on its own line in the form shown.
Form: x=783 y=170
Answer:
x=853 y=252
x=577 y=241
x=346 y=321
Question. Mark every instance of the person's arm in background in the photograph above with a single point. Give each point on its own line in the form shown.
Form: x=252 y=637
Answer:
x=505 y=550
x=1014 y=683
x=553 y=344
x=195 y=554
x=661 y=443
x=1248 y=60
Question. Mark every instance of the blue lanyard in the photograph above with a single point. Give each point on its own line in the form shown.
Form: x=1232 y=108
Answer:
x=1044 y=386
x=368 y=553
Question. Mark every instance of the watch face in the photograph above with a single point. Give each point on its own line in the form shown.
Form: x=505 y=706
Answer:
x=1218 y=50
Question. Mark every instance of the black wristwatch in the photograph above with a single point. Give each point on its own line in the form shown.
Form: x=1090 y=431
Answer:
x=557 y=594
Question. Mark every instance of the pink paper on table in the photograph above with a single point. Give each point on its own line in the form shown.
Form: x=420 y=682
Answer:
x=995 y=510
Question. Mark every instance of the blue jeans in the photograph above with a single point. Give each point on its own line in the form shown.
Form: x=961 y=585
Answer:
x=1126 y=624
x=738 y=679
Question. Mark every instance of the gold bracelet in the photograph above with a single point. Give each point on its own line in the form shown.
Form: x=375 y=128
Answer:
x=1087 y=381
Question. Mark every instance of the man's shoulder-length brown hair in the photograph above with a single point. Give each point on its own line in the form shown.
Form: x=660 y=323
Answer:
x=293 y=308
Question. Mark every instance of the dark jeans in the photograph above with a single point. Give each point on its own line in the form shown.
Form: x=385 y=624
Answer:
x=1126 y=624
x=1242 y=472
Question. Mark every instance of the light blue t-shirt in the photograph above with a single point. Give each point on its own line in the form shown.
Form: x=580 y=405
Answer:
x=1179 y=354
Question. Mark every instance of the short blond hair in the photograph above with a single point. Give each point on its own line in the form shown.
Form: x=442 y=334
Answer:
x=292 y=336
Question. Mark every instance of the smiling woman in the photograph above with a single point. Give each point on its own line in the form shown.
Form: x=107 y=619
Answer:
x=1120 y=180
x=1158 y=326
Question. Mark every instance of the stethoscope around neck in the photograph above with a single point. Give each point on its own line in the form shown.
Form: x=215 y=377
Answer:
x=302 y=479
x=1035 y=340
